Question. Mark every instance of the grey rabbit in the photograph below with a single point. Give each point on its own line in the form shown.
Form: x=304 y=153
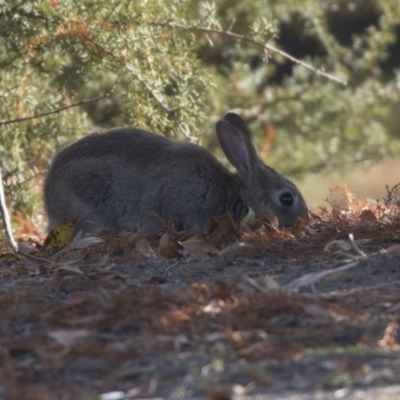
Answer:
x=129 y=178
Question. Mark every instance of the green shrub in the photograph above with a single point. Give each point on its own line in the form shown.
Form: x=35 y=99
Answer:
x=175 y=66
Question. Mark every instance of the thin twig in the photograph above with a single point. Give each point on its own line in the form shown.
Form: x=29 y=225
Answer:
x=266 y=46
x=58 y=110
x=313 y=277
x=6 y=218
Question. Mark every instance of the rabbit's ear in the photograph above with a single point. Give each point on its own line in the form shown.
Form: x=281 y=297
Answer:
x=238 y=123
x=237 y=148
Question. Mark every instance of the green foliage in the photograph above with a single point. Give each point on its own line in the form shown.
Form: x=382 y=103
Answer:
x=175 y=66
x=57 y=53
x=316 y=122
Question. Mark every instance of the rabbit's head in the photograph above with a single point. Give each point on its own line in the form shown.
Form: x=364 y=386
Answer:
x=260 y=185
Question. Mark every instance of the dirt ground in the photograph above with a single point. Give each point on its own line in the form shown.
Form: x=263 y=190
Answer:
x=310 y=312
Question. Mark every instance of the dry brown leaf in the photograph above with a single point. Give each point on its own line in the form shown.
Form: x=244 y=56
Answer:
x=223 y=226
x=26 y=229
x=196 y=246
x=342 y=197
x=264 y=219
x=167 y=250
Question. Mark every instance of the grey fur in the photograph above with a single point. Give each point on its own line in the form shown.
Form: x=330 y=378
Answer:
x=129 y=178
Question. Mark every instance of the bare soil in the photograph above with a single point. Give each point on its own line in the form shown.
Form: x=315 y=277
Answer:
x=305 y=313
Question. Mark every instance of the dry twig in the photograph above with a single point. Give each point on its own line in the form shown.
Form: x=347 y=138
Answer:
x=58 y=110
x=5 y=217
x=266 y=46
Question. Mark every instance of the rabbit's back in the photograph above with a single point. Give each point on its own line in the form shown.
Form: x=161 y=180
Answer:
x=128 y=177
x=121 y=143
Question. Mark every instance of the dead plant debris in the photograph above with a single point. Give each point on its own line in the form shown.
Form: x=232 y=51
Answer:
x=173 y=315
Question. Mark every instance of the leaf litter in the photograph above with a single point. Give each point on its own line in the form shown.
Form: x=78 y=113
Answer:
x=175 y=315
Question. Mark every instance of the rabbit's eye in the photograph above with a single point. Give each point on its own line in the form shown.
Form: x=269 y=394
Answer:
x=286 y=199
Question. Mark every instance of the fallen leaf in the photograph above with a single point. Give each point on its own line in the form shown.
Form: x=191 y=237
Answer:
x=223 y=226
x=264 y=218
x=59 y=237
x=196 y=246
x=79 y=242
x=167 y=250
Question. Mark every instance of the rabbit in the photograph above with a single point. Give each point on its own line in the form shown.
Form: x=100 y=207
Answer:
x=130 y=179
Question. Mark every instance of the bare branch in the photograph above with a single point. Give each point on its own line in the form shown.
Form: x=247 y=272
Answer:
x=6 y=218
x=265 y=46
x=169 y=111
x=58 y=110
